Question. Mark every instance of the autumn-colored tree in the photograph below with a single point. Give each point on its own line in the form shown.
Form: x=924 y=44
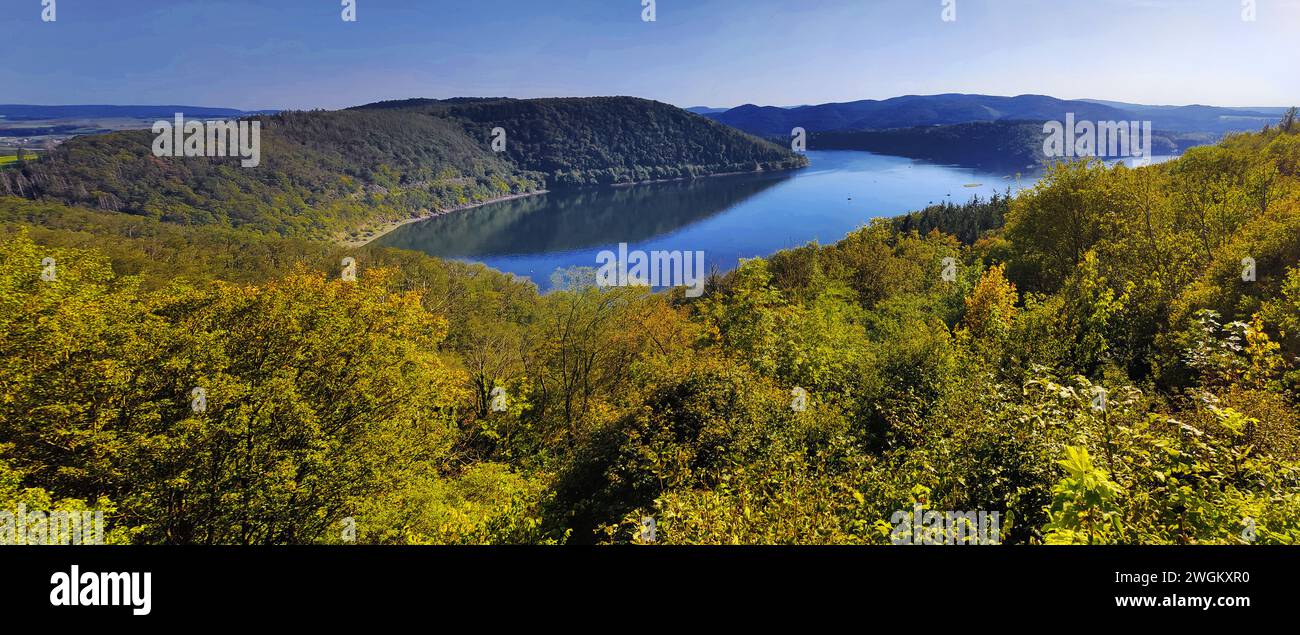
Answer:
x=991 y=307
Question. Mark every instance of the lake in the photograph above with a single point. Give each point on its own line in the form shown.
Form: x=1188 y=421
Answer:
x=726 y=217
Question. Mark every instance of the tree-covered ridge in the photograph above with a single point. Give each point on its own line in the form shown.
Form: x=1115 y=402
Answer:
x=329 y=172
x=614 y=140
x=373 y=400
x=321 y=172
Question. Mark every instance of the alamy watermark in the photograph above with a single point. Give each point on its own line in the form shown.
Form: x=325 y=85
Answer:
x=1099 y=402
x=498 y=395
x=92 y=588
x=23 y=527
x=1104 y=139
x=949 y=271
x=653 y=269
x=929 y=527
x=199 y=138
x=799 y=399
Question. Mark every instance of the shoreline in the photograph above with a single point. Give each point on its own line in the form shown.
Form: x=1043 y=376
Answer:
x=702 y=176
x=389 y=226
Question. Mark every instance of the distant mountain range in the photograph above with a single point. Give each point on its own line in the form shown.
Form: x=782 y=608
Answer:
x=1005 y=146
x=1270 y=110
x=35 y=127
x=555 y=137
x=24 y=112
x=934 y=110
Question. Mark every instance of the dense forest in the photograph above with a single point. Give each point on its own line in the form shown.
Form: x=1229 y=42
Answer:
x=1114 y=359
x=336 y=174
x=607 y=140
x=967 y=221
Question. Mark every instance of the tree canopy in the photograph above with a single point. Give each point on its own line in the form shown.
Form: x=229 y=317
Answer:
x=1116 y=363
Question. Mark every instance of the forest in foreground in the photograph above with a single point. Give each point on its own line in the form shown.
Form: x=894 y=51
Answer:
x=1109 y=357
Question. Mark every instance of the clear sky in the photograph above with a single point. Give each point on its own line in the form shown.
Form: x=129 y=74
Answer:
x=300 y=53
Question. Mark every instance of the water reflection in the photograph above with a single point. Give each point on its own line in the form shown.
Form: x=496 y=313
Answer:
x=578 y=219
x=728 y=218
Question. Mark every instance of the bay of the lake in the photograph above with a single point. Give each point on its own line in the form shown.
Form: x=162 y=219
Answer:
x=726 y=217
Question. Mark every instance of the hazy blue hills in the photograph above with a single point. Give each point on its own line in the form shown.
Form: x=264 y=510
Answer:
x=1008 y=146
x=26 y=112
x=931 y=110
x=1199 y=118
x=35 y=126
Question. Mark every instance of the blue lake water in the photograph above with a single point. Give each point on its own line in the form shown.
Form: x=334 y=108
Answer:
x=728 y=218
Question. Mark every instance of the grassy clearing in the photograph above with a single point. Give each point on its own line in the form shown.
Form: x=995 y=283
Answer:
x=10 y=159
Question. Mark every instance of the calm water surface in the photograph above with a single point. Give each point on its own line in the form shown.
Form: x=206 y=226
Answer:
x=728 y=217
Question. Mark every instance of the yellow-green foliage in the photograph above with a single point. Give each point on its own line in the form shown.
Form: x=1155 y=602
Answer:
x=1097 y=371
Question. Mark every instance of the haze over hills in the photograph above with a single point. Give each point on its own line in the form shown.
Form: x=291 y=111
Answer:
x=705 y=110
x=1123 y=105
x=930 y=110
x=994 y=132
x=1006 y=145
x=33 y=127
x=1200 y=118
x=28 y=112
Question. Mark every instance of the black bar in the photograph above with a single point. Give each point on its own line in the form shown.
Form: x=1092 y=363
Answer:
x=225 y=585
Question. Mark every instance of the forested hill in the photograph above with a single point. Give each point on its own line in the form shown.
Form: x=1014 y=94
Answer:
x=320 y=172
x=605 y=140
x=325 y=174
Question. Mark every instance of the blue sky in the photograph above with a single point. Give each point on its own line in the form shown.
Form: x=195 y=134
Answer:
x=300 y=54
